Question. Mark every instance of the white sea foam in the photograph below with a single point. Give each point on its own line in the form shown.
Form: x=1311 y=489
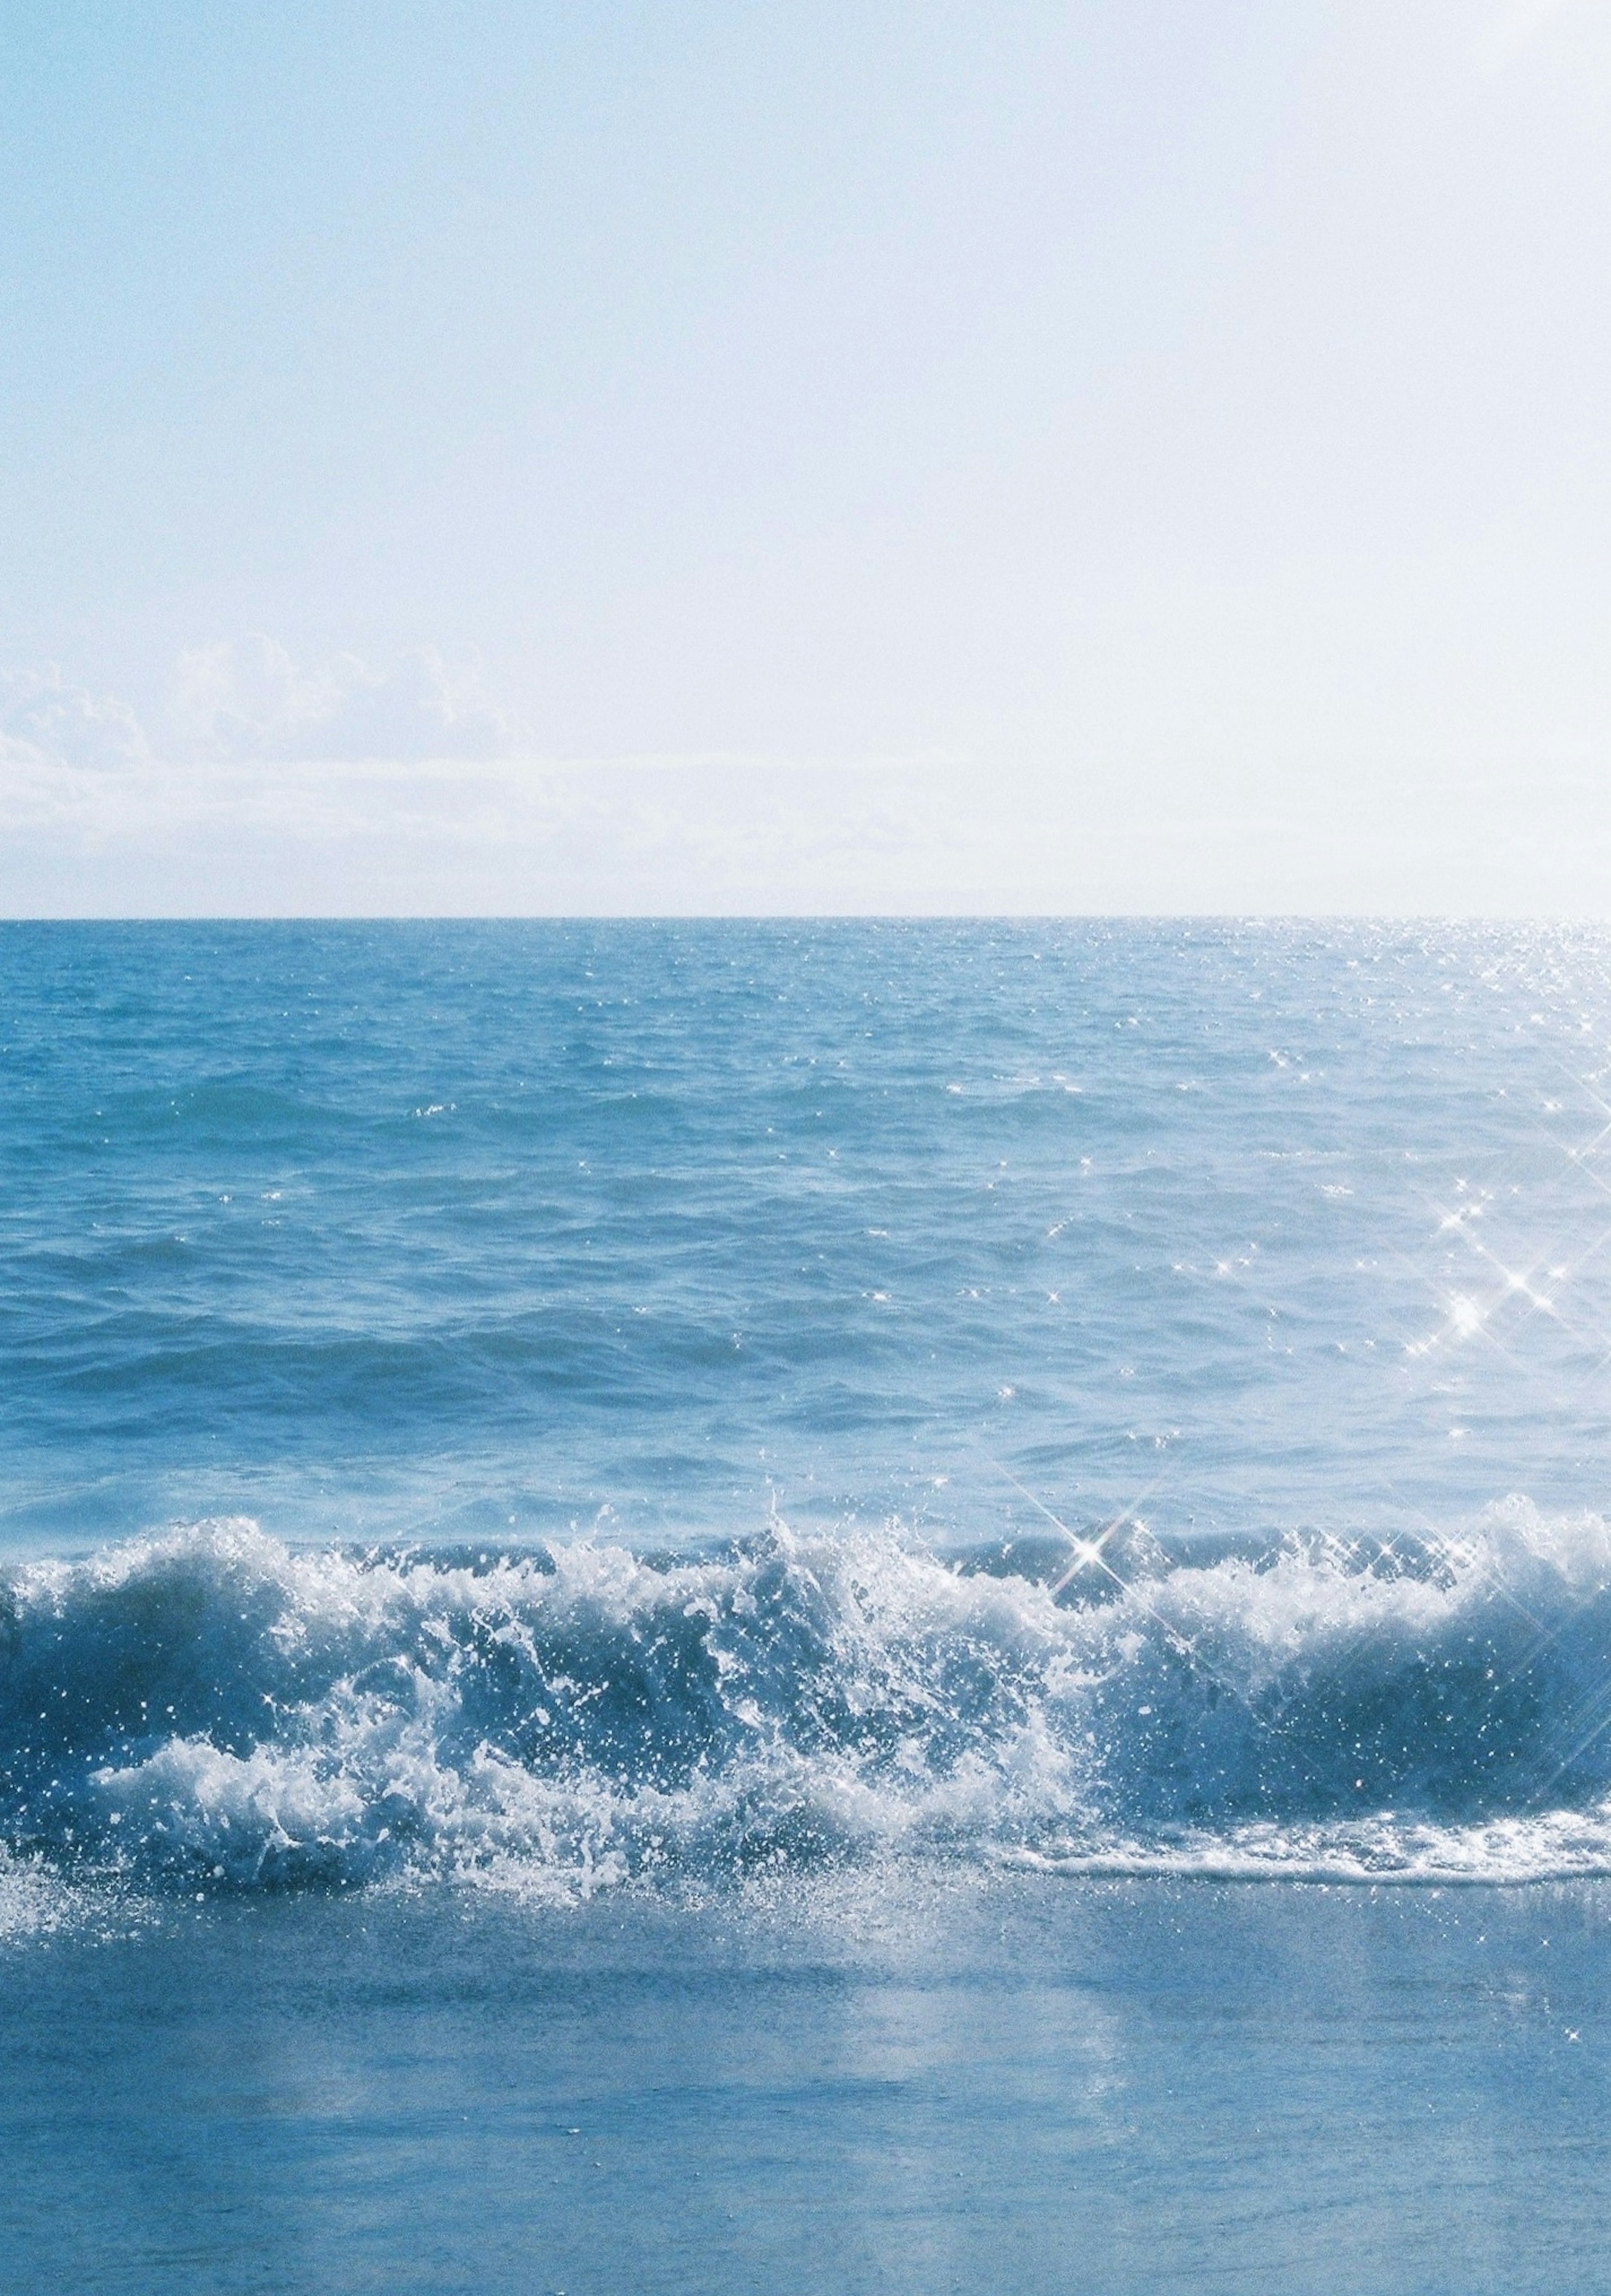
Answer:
x=211 y=1708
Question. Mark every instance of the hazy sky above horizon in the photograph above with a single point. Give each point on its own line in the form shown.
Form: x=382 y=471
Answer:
x=1092 y=456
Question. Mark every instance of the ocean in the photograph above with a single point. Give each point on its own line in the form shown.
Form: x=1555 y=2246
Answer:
x=805 y=1606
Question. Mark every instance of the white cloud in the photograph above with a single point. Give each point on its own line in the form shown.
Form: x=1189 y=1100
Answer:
x=254 y=704
x=254 y=701
x=44 y=721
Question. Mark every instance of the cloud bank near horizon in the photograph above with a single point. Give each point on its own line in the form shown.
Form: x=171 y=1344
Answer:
x=267 y=787
x=253 y=700
x=230 y=702
x=46 y=721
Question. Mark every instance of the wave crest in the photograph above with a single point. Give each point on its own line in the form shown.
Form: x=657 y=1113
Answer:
x=211 y=1708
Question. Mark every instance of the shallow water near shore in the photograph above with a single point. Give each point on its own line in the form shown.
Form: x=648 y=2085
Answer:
x=1032 y=2085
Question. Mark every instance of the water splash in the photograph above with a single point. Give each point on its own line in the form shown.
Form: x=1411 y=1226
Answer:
x=210 y=1708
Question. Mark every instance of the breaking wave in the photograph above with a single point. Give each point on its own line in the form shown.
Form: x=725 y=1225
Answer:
x=209 y=1709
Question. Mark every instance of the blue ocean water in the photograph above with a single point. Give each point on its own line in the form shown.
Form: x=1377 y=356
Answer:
x=558 y=1477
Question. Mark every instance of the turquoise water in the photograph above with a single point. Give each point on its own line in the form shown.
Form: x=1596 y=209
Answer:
x=562 y=1479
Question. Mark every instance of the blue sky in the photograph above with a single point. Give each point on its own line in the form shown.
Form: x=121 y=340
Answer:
x=519 y=458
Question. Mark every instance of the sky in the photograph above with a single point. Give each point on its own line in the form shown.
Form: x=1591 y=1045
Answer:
x=1121 y=455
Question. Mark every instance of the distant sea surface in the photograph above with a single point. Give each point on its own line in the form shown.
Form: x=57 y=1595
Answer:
x=820 y=1606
